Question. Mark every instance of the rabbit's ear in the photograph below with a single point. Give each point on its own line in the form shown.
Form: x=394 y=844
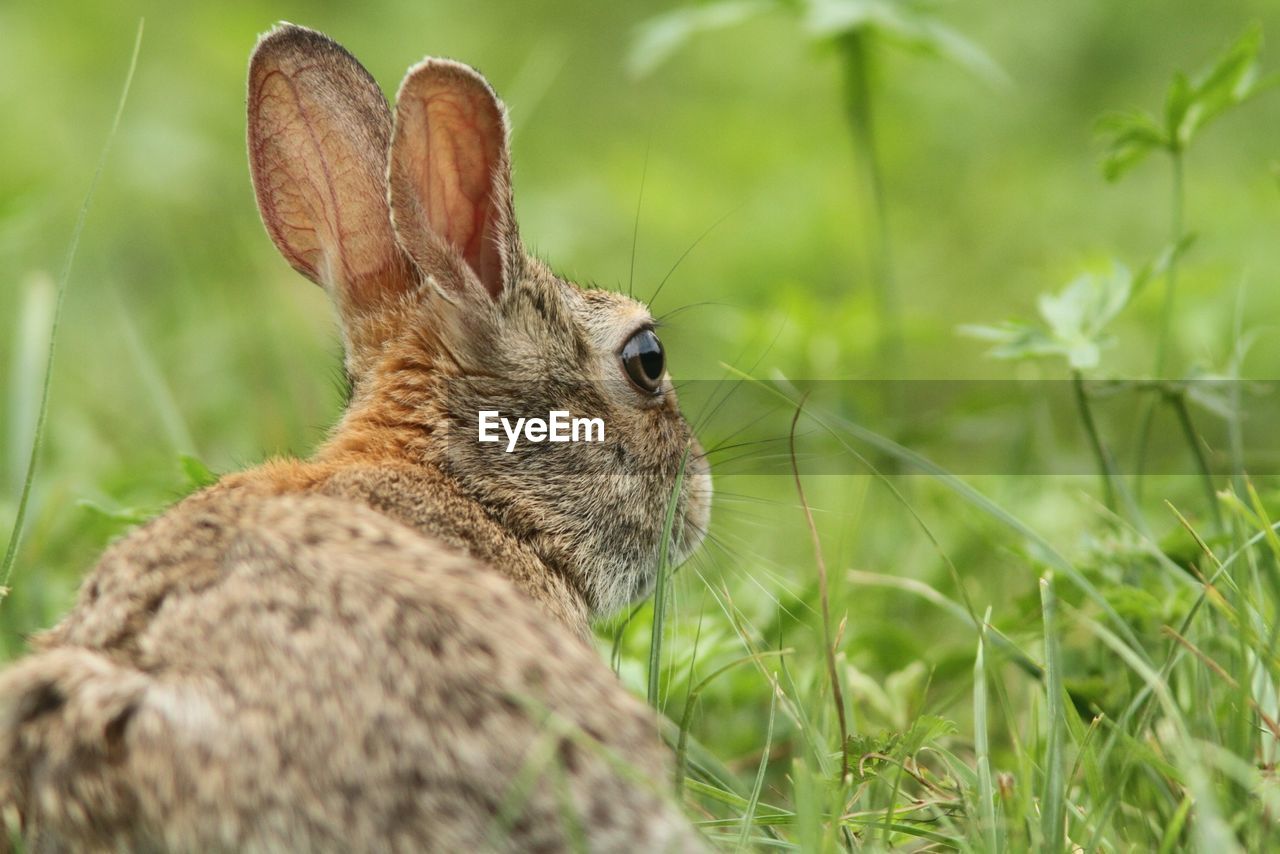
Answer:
x=450 y=178
x=319 y=128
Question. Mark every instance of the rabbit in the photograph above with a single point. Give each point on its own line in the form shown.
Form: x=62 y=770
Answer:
x=384 y=647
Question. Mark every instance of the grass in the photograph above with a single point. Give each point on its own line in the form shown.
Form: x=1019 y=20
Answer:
x=42 y=407
x=989 y=827
x=897 y=655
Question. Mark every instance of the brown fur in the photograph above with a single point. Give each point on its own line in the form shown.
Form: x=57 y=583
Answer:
x=382 y=647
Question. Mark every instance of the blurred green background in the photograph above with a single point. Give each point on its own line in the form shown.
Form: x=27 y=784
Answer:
x=184 y=334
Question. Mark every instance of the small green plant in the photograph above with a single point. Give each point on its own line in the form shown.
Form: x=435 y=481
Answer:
x=1076 y=320
x=1075 y=326
x=1191 y=104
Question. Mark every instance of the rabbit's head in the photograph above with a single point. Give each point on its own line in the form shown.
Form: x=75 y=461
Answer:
x=450 y=327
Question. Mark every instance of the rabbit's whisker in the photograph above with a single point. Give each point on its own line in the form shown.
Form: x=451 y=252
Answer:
x=721 y=448
x=635 y=227
x=653 y=299
x=665 y=316
x=753 y=422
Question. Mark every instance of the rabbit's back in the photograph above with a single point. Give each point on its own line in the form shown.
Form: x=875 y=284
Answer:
x=303 y=672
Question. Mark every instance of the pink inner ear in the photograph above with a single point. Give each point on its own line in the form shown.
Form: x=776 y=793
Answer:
x=318 y=131
x=459 y=173
x=451 y=144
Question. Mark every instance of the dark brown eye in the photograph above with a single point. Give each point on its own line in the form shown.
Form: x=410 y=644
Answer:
x=643 y=360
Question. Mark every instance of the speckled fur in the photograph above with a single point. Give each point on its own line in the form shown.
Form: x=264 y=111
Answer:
x=383 y=647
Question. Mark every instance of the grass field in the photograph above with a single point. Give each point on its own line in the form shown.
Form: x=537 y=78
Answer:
x=901 y=209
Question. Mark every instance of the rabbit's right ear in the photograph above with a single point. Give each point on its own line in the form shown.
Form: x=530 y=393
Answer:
x=319 y=130
x=450 y=179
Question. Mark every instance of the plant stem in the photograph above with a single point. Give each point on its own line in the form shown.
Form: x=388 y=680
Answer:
x=981 y=747
x=1106 y=468
x=1178 y=401
x=837 y=694
x=1171 y=276
x=1165 y=342
x=854 y=54
x=1235 y=430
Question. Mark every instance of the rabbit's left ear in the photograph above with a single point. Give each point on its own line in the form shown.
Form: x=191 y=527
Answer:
x=318 y=133
x=450 y=179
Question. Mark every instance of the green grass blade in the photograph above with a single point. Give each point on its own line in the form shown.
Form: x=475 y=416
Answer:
x=748 y=815
x=695 y=692
x=981 y=746
x=1173 y=831
x=1211 y=829
x=824 y=596
x=1052 y=811
x=808 y=806
x=42 y=412
x=775 y=813
x=698 y=760
x=660 y=588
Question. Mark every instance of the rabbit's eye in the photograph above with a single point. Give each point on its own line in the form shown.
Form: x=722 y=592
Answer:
x=643 y=360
